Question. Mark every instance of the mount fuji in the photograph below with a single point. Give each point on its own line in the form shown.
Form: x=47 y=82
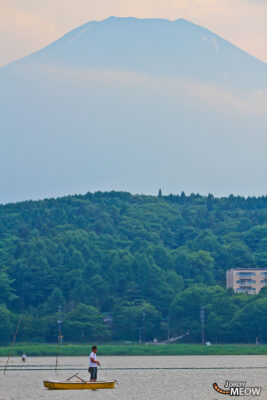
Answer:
x=133 y=104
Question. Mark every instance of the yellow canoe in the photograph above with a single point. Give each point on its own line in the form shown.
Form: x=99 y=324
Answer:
x=77 y=385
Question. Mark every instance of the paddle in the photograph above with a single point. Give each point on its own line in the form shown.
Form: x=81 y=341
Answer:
x=72 y=377
x=81 y=379
x=76 y=376
x=13 y=343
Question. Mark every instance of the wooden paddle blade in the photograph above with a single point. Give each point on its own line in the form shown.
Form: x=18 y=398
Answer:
x=72 y=376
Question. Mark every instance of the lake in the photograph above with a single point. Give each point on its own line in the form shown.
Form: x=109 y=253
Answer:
x=189 y=378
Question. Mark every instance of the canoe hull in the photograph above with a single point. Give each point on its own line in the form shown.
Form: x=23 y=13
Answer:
x=79 y=385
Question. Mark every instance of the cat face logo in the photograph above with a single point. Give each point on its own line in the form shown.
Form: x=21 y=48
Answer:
x=235 y=388
x=216 y=387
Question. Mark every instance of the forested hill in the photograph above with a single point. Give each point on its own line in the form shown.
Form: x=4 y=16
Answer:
x=134 y=261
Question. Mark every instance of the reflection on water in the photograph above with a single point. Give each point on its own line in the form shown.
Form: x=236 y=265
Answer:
x=182 y=384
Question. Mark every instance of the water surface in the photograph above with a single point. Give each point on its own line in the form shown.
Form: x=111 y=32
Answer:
x=192 y=380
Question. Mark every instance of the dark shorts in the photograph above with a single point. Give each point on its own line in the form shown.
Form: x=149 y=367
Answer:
x=93 y=372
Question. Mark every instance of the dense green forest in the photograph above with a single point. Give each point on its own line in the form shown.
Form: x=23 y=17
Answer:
x=122 y=265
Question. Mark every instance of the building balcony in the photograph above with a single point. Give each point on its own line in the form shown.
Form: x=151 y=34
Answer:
x=246 y=289
x=246 y=282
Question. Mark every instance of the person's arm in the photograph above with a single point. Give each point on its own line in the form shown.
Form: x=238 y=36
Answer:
x=94 y=361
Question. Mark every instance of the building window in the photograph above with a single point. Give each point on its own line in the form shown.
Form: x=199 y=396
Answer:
x=246 y=274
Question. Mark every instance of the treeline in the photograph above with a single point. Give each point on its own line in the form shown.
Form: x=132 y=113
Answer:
x=123 y=267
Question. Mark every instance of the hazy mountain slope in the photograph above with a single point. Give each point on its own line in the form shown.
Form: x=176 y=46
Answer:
x=177 y=48
x=133 y=104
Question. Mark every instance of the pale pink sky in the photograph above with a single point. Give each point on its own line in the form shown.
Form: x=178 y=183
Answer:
x=28 y=25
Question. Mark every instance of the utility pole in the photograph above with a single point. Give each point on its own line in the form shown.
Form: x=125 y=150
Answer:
x=59 y=339
x=59 y=321
x=144 y=330
x=202 y=319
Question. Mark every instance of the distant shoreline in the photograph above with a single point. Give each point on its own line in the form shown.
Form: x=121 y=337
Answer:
x=133 y=350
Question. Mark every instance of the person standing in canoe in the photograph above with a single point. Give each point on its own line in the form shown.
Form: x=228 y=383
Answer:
x=93 y=364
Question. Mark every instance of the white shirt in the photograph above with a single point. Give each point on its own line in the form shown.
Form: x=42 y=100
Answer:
x=92 y=364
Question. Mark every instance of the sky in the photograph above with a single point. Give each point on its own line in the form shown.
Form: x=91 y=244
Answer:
x=28 y=25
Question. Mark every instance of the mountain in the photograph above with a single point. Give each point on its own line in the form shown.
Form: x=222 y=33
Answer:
x=152 y=46
x=164 y=256
x=133 y=104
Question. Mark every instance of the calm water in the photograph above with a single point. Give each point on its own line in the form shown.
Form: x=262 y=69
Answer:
x=185 y=384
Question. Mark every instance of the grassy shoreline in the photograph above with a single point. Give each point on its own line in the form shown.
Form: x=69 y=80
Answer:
x=133 y=350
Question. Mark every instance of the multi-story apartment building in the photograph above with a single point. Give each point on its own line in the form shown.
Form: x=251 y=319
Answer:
x=244 y=280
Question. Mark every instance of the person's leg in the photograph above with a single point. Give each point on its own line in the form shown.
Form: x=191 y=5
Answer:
x=94 y=375
x=90 y=372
